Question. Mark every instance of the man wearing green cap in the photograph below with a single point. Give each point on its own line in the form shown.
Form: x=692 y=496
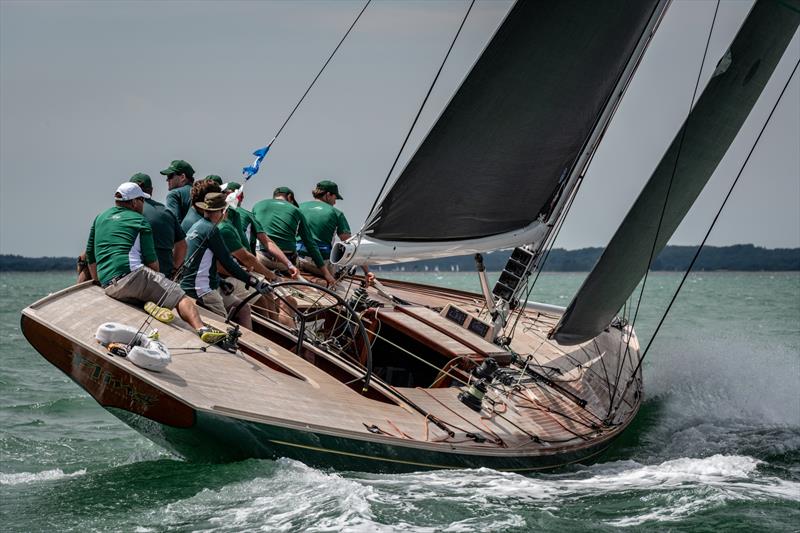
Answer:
x=169 y=238
x=324 y=221
x=251 y=229
x=180 y=176
x=284 y=223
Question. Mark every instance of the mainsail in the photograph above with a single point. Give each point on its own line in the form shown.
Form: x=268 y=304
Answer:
x=490 y=170
x=692 y=157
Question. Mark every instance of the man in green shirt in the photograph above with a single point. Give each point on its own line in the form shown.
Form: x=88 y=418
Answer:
x=325 y=222
x=206 y=247
x=247 y=223
x=169 y=238
x=122 y=259
x=277 y=309
x=284 y=223
x=180 y=176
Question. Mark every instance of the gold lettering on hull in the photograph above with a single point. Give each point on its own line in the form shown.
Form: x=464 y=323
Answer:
x=112 y=382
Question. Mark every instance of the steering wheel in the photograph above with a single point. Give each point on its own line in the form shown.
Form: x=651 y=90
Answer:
x=341 y=324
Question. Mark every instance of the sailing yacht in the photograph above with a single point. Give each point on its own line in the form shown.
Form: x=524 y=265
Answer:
x=402 y=376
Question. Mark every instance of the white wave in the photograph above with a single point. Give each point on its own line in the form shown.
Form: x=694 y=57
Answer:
x=297 y=497
x=31 y=477
x=702 y=484
x=669 y=490
x=709 y=470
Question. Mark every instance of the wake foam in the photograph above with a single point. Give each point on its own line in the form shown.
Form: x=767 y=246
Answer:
x=296 y=497
x=32 y=477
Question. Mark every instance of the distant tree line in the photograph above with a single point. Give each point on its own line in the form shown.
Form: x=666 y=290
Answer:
x=18 y=263
x=745 y=257
x=675 y=258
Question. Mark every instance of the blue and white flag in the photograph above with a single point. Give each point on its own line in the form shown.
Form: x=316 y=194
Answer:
x=252 y=169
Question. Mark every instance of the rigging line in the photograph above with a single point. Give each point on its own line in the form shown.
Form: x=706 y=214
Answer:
x=424 y=361
x=669 y=189
x=320 y=71
x=559 y=225
x=176 y=276
x=419 y=112
x=675 y=165
x=713 y=223
x=442 y=370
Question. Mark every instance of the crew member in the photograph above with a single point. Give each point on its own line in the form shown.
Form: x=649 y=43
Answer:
x=122 y=258
x=233 y=290
x=206 y=247
x=216 y=179
x=169 y=238
x=180 y=176
x=281 y=219
x=197 y=193
x=246 y=222
x=324 y=221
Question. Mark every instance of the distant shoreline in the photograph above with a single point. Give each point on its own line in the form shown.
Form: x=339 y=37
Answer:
x=740 y=257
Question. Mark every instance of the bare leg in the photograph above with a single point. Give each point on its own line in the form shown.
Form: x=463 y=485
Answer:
x=187 y=310
x=243 y=317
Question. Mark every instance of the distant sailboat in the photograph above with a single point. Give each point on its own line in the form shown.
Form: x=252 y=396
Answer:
x=403 y=376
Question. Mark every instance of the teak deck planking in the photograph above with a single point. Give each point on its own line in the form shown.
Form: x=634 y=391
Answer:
x=239 y=385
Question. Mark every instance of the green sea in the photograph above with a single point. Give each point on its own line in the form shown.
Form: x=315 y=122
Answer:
x=716 y=446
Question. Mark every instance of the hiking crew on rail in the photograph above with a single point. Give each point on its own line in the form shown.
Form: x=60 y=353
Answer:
x=205 y=241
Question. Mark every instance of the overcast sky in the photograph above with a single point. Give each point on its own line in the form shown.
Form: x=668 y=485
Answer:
x=93 y=92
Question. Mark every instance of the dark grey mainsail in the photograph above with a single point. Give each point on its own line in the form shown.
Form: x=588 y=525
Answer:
x=709 y=130
x=517 y=125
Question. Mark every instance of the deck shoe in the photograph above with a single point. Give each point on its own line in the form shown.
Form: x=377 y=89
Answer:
x=162 y=314
x=211 y=335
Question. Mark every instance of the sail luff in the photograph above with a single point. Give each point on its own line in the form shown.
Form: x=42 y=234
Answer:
x=693 y=156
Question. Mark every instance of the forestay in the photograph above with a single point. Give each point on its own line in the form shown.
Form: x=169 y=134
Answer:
x=494 y=162
x=707 y=133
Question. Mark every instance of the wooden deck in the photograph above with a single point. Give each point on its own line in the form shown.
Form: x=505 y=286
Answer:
x=288 y=391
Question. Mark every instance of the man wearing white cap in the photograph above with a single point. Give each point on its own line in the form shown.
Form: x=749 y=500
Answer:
x=122 y=258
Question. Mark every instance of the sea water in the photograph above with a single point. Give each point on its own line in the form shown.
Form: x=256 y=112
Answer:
x=716 y=446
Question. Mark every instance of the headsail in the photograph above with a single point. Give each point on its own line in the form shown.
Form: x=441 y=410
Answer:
x=515 y=130
x=709 y=130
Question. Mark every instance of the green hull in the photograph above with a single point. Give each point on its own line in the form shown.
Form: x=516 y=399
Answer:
x=216 y=438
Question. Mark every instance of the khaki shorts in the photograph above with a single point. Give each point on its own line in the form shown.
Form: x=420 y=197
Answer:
x=146 y=285
x=239 y=290
x=213 y=302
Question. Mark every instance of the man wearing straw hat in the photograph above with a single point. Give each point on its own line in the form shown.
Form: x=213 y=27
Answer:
x=206 y=247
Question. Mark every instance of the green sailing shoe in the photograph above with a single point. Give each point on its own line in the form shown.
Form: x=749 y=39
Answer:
x=211 y=335
x=162 y=314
